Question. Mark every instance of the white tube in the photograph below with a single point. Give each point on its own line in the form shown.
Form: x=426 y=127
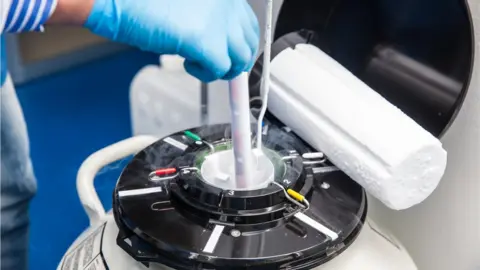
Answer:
x=96 y=161
x=241 y=130
x=265 y=86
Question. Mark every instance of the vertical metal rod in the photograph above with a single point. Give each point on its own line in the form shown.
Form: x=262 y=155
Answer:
x=204 y=103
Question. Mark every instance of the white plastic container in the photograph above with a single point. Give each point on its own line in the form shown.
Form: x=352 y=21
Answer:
x=157 y=94
x=165 y=99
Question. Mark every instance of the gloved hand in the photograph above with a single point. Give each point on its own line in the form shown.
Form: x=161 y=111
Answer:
x=218 y=38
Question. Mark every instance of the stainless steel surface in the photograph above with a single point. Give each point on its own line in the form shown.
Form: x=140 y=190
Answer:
x=204 y=103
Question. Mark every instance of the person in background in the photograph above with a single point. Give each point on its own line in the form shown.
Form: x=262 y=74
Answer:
x=218 y=38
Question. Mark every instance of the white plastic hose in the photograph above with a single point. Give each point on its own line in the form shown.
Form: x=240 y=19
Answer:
x=94 y=163
x=265 y=83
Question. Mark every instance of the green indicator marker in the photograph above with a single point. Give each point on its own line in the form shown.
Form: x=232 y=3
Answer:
x=192 y=136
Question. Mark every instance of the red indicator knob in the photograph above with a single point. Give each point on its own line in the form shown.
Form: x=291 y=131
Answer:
x=166 y=171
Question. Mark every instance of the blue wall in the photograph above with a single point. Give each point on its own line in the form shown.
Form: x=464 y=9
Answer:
x=69 y=116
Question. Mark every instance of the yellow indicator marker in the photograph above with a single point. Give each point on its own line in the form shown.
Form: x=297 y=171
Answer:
x=297 y=196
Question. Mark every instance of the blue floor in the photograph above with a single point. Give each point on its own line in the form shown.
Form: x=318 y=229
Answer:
x=69 y=116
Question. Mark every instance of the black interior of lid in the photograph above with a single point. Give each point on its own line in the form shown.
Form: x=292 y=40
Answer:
x=418 y=54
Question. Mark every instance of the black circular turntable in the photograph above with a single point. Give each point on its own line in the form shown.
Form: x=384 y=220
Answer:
x=169 y=212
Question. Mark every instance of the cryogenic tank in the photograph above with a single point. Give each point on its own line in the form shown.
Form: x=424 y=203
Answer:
x=168 y=214
x=422 y=64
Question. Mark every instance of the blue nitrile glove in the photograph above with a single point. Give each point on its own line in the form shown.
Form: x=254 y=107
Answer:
x=218 y=38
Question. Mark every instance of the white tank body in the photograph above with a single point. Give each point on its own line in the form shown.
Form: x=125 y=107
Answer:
x=372 y=250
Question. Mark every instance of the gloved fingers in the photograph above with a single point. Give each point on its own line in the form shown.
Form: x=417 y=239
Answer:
x=239 y=51
x=208 y=60
x=251 y=32
x=253 y=43
x=197 y=71
x=252 y=17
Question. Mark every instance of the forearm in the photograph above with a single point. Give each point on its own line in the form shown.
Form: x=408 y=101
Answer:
x=71 y=12
x=31 y=15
